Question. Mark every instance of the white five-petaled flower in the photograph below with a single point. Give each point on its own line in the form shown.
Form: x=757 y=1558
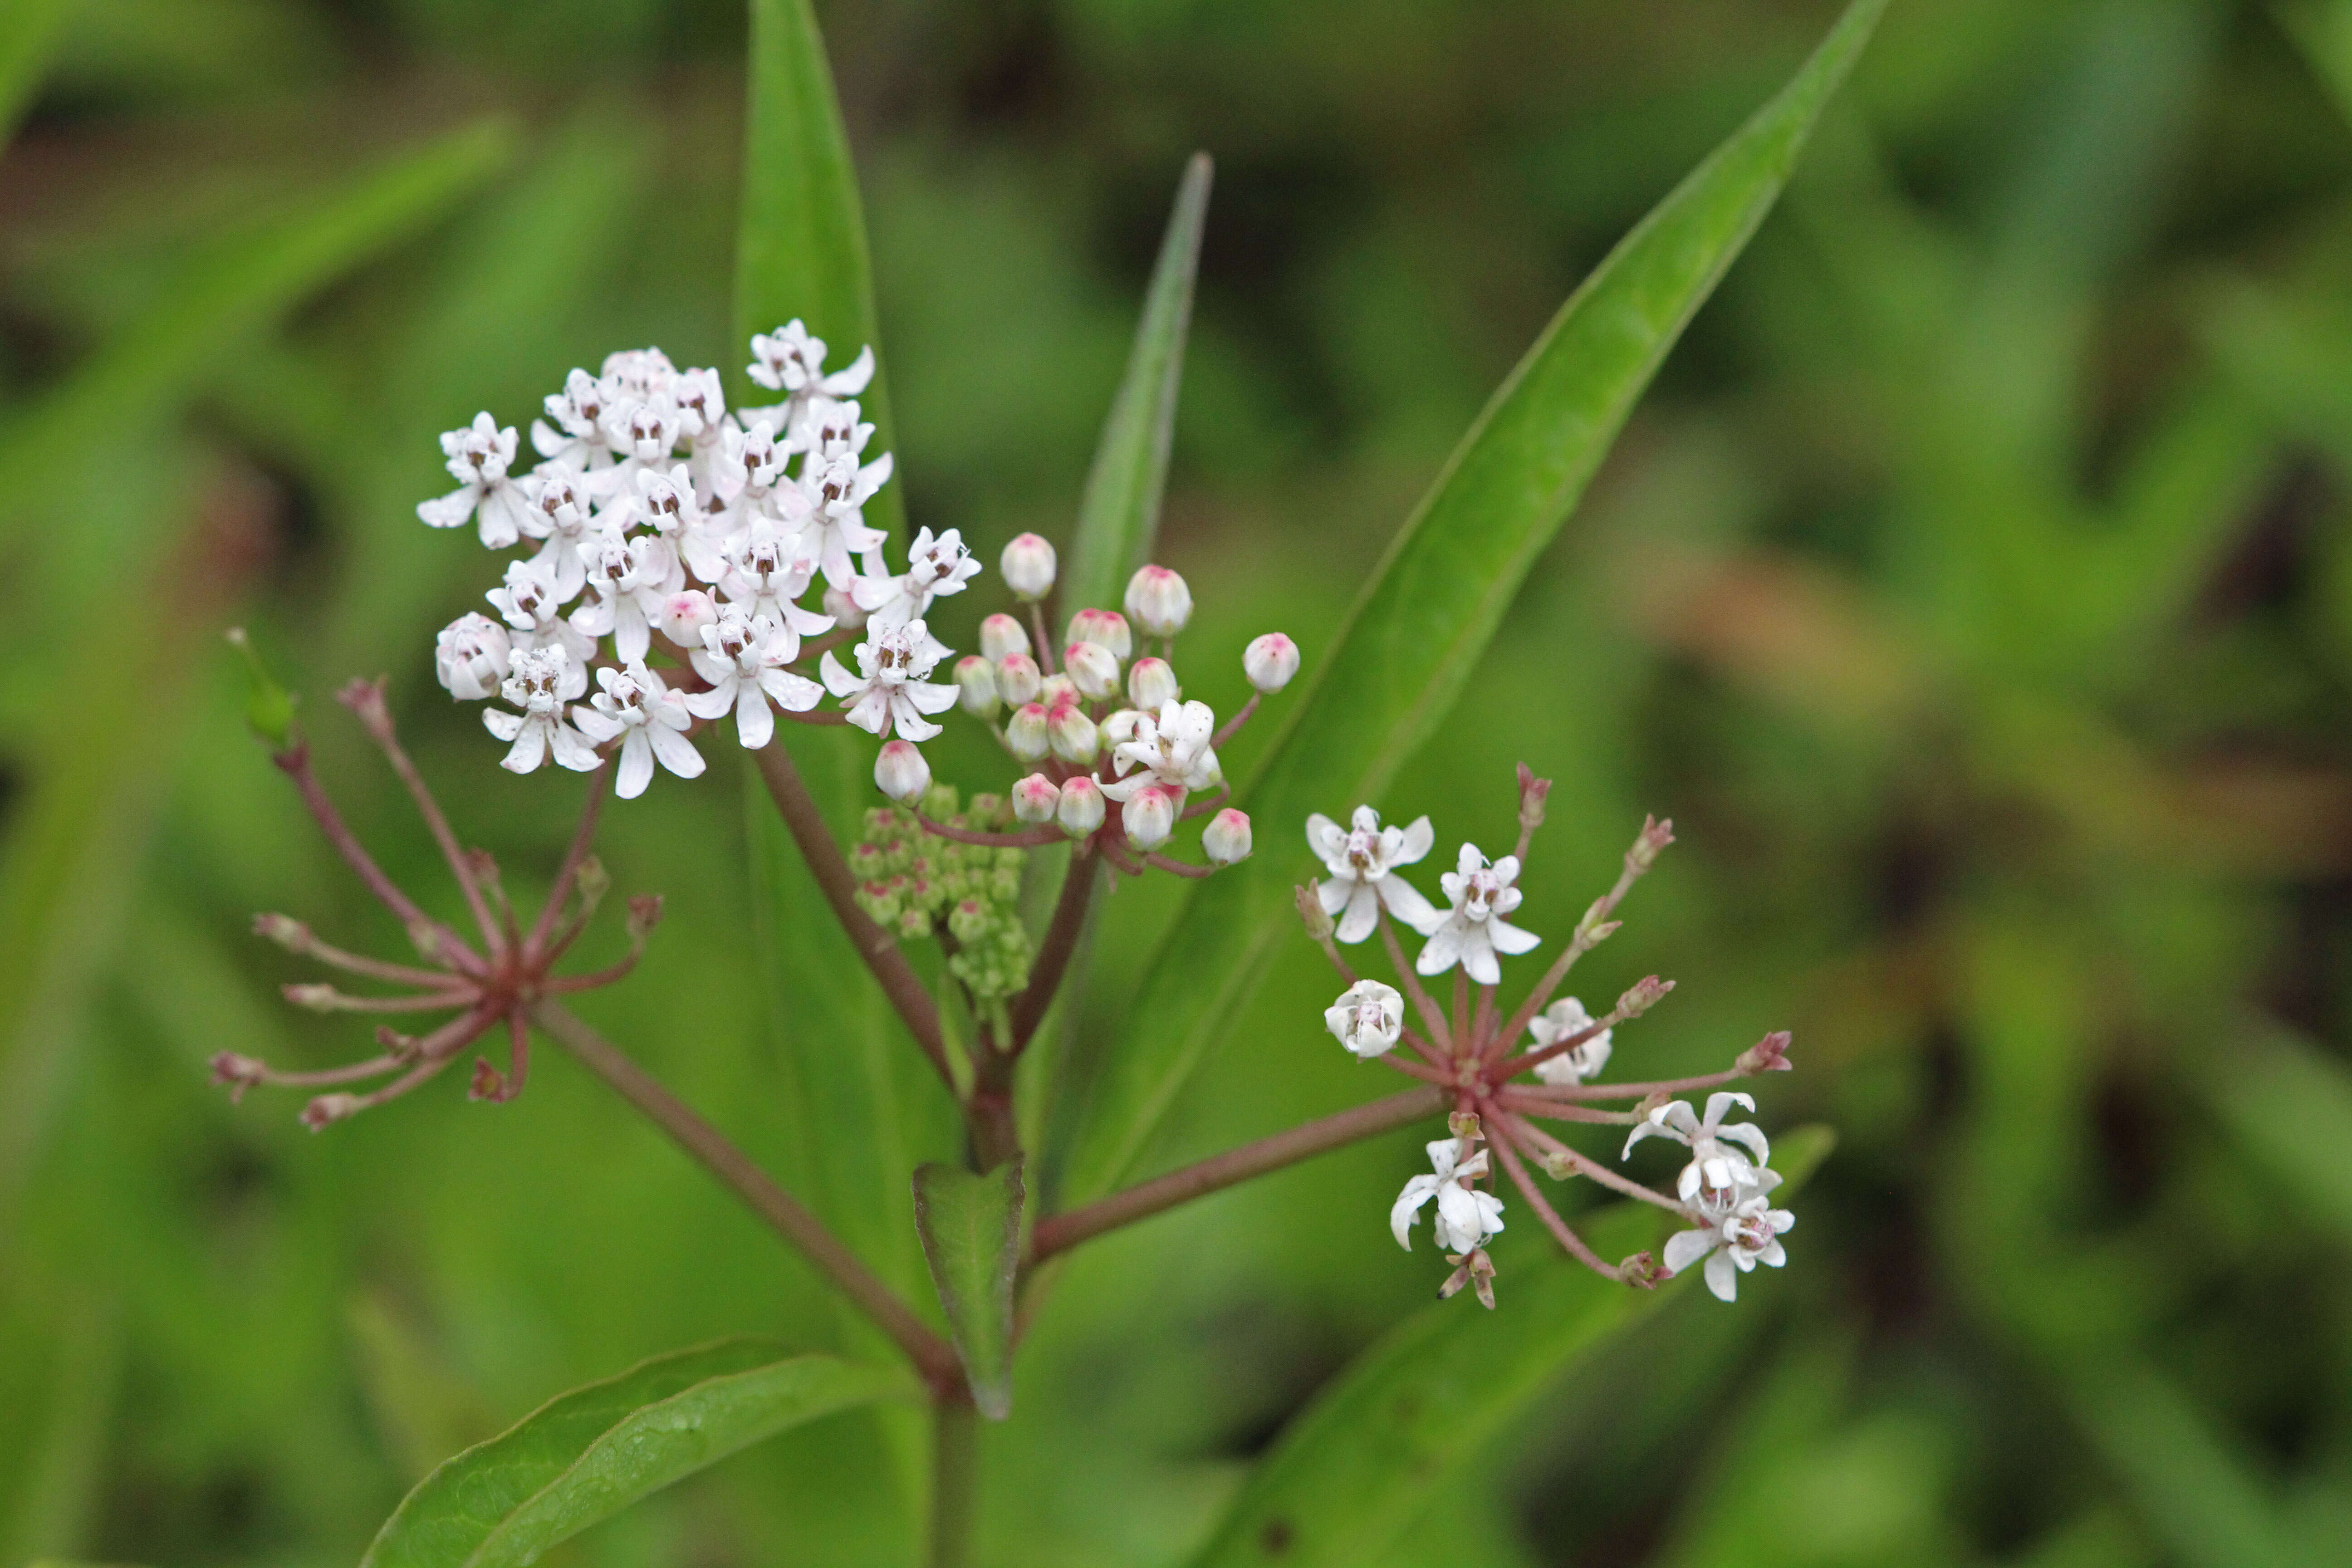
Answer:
x=1562 y=1020
x=479 y=456
x=935 y=567
x=529 y=602
x=837 y=489
x=790 y=361
x=629 y=578
x=1170 y=749
x=1364 y=861
x=1717 y=1174
x=578 y=438
x=835 y=430
x=892 y=692
x=650 y=721
x=1474 y=932
x=768 y=572
x=1465 y=1216
x=743 y=658
x=1733 y=1244
x=541 y=682
x=1368 y=1018
x=560 y=514
x=471 y=656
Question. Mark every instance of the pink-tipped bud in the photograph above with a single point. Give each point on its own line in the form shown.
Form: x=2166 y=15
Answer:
x=682 y=616
x=284 y=929
x=1108 y=627
x=1072 y=735
x=1057 y=691
x=901 y=773
x=1769 y=1054
x=1035 y=799
x=846 y=611
x=1655 y=836
x=317 y=998
x=1645 y=995
x=1533 y=792
x=645 y=909
x=1642 y=1271
x=1018 y=679
x=1270 y=661
x=239 y=1073
x=1025 y=733
x=1092 y=668
x=365 y=698
x=1149 y=817
x=1310 y=904
x=1000 y=636
x=1465 y=1124
x=1151 y=683
x=490 y=1084
x=1081 y=810
x=1159 y=602
x=1027 y=565
x=328 y=1109
x=1226 y=839
x=976 y=686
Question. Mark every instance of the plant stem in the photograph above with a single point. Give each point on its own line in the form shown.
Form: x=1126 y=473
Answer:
x=1061 y=1232
x=1568 y=1240
x=295 y=763
x=932 y=1356
x=573 y=854
x=366 y=699
x=1431 y=1013
x=1062 y=935
x=906 y=992
x=955 y=1466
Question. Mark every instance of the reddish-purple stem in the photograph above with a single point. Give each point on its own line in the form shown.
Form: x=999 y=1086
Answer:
x=1572 y=1243
x=295 y=762
x=535 y=947
x=1061 y=941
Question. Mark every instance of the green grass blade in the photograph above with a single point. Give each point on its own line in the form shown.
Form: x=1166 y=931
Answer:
x=590 y=1453
x=970 y=1227
x=1367 y=1459
x=800 y=238
x=29 y=30
x=1417 y=632
x=1119 y=514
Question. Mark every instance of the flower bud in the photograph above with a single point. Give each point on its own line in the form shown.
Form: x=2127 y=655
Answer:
x=1159 y=602
x=1465 y=1124
x=1533 y=792
x=1769 y=1054
x=1644 y=995
x=1270 y=661
x=968 y=921
x=1227 y=837
x=1017 y=679
x=682 y=616
x=328 y=1109
x=1072 y=735
x=1655 y=836
x=1057 y=691
x=1035 y=799
x=1368 y=1018
x=1092 y=668
x=847 y=614
x=976 y=686
x=1081 y=810
x=1025 y=732
x=1310 y=903
x=269 y=706
x=1151 y=682
x=1000 y=635
x=284 y=929
x=1027 y=565
x=900 y=771
x=318 y=998
x=1149 y=817
x=1108 y=627
x=469 y=657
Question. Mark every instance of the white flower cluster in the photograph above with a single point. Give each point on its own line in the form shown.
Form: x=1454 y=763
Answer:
x=659 y=510
x=1363 y=859
x=1728 y=1192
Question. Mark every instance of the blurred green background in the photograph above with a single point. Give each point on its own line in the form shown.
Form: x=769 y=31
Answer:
x=1975 y=592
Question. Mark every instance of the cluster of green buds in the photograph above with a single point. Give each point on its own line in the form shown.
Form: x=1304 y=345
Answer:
x=914 y=882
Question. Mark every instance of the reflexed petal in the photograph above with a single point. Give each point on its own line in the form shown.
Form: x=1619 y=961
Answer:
x=1773 y=1255
x=754 y=725
x=1406 y=901
x=1687 y=1248
x=1444 y=949
x=528 y=751
x=1401 y=1213
x=1333 y=895
x=675 y=751
x=792 y=693
x=1719 y=1104
x=1363 y=909
x=1723 y=1277
x=1478 y=956
x=715 y=702
x=837 y=680
x=1511 y=939
x=1746 y=1132
x=506 y=726
x=1418 y=840
x=636 y=764
x=1326 y=837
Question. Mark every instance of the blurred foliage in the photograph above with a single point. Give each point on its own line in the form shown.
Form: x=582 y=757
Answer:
x=1975 y=591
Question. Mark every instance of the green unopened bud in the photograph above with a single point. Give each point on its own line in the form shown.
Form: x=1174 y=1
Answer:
x=269 y=706
x=594 y=882
x=1556 y=1164
x=1311 y=912
x=1655 y=836
x=968 y=921
x=915 y=924
x=645 y=913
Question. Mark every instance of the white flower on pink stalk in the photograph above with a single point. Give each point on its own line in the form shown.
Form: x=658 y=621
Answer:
x=541 y=682
x=1169 y=748
x=1270 y=661
x=1363 y=860
x=471 y=656
x=560 y=514
x=1027 y=567
x=935 y=568
x=900 y=771
x=1733 y=1245
x=578 y=438
x=743 y=658
x=1465 y=1216
x=750 y=464
x=790 y=361
x=1159 y=601
x=628 y=580
x=1474 y=932
x=1561 y=1021
x=1226 y=840
x=648 y=718
x=1718 y=1174
x=1368 y=1018
x=530 y=606
x=892 y=690
x=833 y=429
x=837 y=489
x=479 y=456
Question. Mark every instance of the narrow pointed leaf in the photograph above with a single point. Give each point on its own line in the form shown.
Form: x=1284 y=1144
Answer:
x=1433 y=603
x=800 y=239
x=1120 y=513
x=593 y=1451
x=1367 y=1457
x=970 y=1227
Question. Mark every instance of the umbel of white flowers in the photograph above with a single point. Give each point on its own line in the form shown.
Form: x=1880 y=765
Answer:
x=1501 y=1088
x=668 y=548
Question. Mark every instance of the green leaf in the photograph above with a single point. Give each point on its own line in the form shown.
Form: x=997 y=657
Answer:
x=970 y=1227
x=1120 y=513
x=1367 y=1457
x=1417 y=631
x=595 y=1451
x=800 y=240
x=28 y=37
x=2289 y=1107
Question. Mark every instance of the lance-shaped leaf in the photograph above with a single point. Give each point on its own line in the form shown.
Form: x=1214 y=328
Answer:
x=1119 y=514
x=1364 y=1460
x=590 y=1453
x=800 y=237
x=970 y=1227
x=1434 y=602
